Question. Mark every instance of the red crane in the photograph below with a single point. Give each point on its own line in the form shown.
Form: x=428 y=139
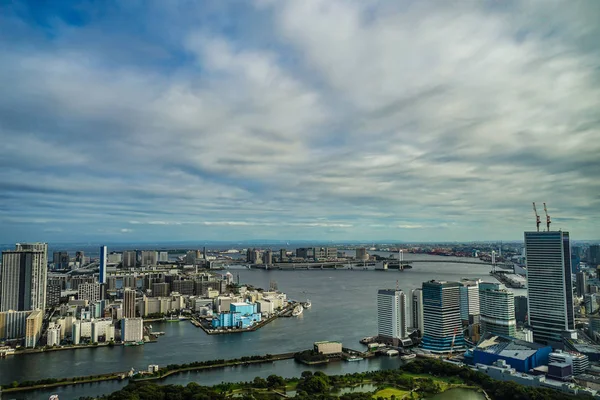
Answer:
x=537 y=218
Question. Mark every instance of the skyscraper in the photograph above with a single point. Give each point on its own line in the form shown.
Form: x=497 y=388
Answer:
x=469 y=300
x=417 y=309
x=89 y=291
x=441 y=317
x=129 y=259
x=102 y=265
x=580 y=283
x=594 y=255
x=391 y=315
x=497 y=306
x=24 y=277
x=521 y=309
x=129 y=303
x=549 y=285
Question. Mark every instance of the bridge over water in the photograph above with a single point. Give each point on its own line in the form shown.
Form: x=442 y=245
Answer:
x=358 y=265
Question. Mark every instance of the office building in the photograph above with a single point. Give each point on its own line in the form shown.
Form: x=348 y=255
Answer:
x=469 y=300
x=129 y=303
x=24 y=277
x=283 y=255
x=594 y=255
x=114 y=258
x=497 y=306
x=79 y=280
x=89 y=291
x=80 y=258
x=33 y=328
x=578 y=361
x=417 y=310
x=442 y=327
x=392 y=316
x=549 y=285
x=184 y=287
x=521 y=309
x=149 y=257
x=594 y=327
x=580 y=283
x=129 y=259
x=361 y=254
x=102 y=265
x=60 y=259
x=132 y=329
x=163 y=257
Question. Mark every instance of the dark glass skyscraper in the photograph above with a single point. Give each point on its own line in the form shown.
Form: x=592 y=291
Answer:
x=442 y=327
x=549 y=285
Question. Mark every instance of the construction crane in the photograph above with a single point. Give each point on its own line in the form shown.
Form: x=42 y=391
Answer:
x=452 y=345
x=547 y=218
x=537 y=218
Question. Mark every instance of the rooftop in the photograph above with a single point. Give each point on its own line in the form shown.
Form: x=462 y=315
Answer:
x=507 y=346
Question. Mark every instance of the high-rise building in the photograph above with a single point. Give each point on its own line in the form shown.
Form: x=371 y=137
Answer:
x=361 y=254
x=80 y=258
x=442 y=327
x=129 y=259
x=129 y=303
x=60 y=259
x=89 y=291
x=469 y=300
x=268 y=257
x=52 y=295
x=149 y=257
x=521 y=309
x=161 y=289
x=591 y=303
x=594 y=255
x=497 y=305
x=130 y=281
x=163 y=256
x=581 y=283
x=549 y=285
x=282 y=255
x=102 y=265
x=417 y=309
x=24 y=277
x=392 y=315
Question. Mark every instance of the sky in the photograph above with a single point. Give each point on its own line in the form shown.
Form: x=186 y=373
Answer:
x=409 y=120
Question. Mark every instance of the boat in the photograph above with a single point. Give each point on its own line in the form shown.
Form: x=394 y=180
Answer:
x=157 y=333
x=354 y=358
x=367 y=340
x=408 y=356
x=308 y=304
x=134 y=343
x=297 y=310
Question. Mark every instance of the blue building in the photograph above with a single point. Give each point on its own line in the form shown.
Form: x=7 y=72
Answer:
x=240 y=315
x=519 y=354
x=442 y=326
x=102 y=265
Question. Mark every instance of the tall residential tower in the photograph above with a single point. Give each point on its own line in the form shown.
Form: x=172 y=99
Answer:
x=24 y=277
x=392 y=315
x=497 y=305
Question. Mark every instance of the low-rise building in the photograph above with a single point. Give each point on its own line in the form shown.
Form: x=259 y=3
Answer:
x=579 y=362
x=519 y=354
x=328 y=348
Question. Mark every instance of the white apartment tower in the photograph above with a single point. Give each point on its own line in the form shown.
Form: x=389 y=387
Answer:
x=392 y=316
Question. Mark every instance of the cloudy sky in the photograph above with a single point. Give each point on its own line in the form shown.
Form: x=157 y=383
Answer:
x=313 y=119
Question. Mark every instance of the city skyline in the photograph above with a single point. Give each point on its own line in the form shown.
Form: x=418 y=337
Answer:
x=322 y=120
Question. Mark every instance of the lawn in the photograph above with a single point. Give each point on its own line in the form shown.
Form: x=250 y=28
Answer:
x=387 y=393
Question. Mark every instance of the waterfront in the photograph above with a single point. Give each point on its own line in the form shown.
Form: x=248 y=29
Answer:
x=343 y=308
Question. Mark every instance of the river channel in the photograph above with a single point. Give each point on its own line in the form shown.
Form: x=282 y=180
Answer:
x=343 y=309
